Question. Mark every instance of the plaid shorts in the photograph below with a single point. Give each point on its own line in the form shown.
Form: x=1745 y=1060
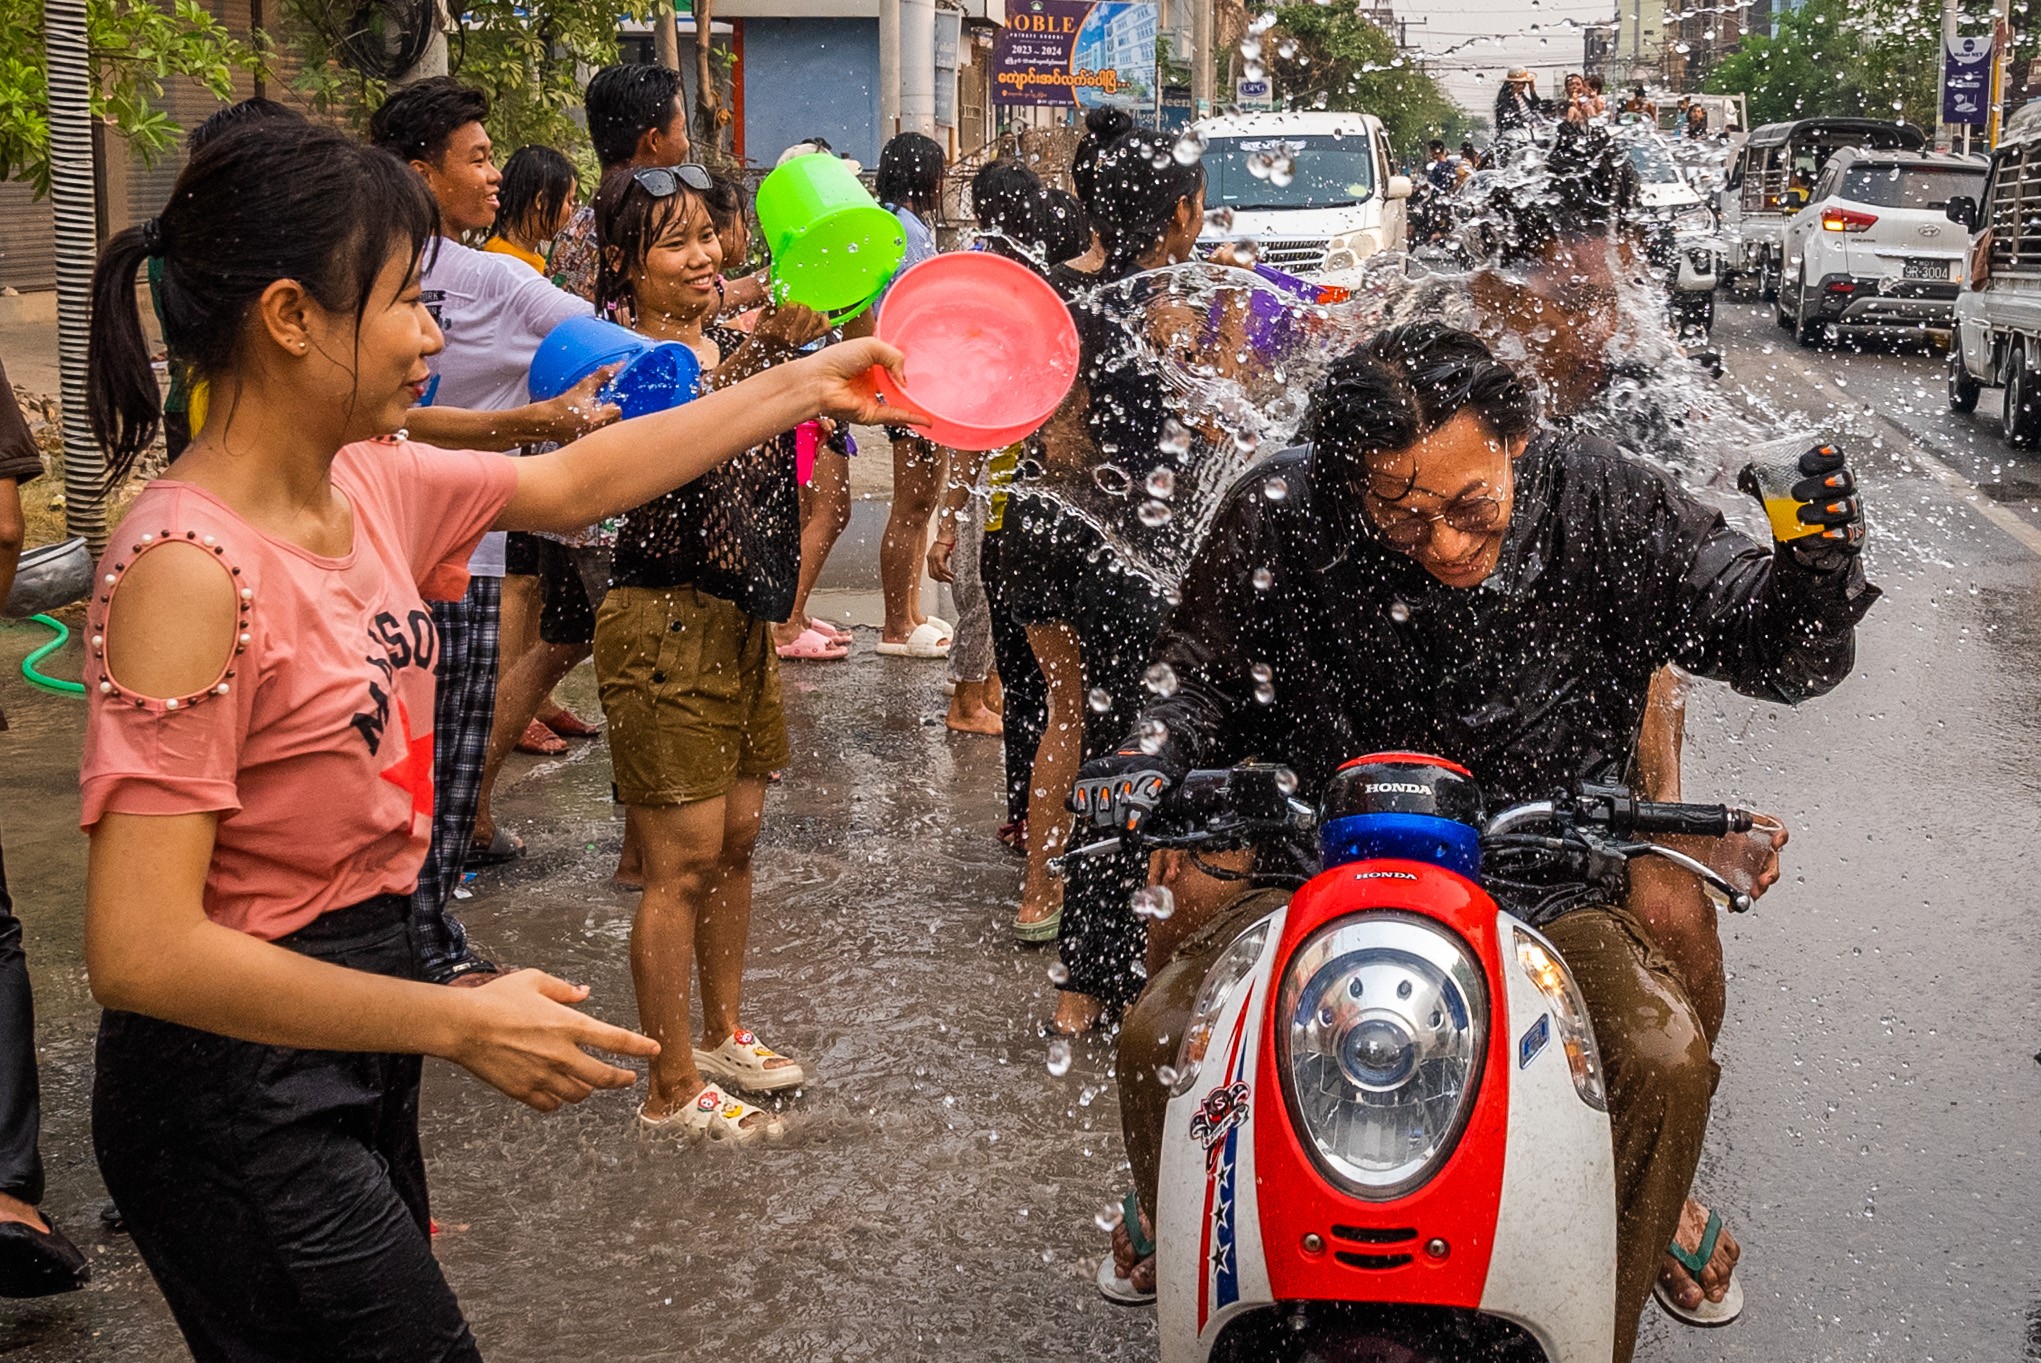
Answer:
x=463 y=713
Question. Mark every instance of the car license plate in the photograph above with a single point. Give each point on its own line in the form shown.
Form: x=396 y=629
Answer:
x=1916 y=268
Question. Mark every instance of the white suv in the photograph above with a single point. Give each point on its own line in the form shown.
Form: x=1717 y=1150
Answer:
x=1874 y=246
x=1316 y=192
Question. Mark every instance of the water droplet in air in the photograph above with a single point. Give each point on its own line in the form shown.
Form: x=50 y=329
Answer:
x=1162 y=481
x=1265 y=694
x=1166 y=1075
x=1109 y=1217
x=1101 y=700
x=1112 y=480
x=1249 y=49
x=1161 y=679
x=1286 y=49
x=1286 y=781
x=1154 y=901
x=1263 y=579
x=1059 y=1057
x=1155 y=514
x=1275 y=489
x=1189 y=149
x=1258 y=164
x=1399 y=612
x=1059 y=974
x=1282 y=171
x=1262 y=672
x=1154 y=733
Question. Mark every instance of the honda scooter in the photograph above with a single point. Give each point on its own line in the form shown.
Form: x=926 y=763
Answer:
x=1388 y=1140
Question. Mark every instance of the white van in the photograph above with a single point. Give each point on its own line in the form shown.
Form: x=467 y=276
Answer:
x=1998 y=312
x=1316 y=192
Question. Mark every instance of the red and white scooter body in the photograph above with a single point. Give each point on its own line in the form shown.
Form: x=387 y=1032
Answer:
x=1516 y=1219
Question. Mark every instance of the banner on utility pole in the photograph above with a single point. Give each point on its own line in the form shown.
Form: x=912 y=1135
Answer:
x=1966 y=81
x=1076 y=54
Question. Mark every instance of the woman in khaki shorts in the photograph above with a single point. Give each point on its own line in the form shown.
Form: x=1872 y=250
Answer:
x=684 y=655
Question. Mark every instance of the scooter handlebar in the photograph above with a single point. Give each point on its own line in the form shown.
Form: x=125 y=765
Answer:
x=1700 y=821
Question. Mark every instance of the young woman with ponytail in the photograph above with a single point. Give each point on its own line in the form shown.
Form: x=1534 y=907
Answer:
x=258 y=755
x=1088 y=621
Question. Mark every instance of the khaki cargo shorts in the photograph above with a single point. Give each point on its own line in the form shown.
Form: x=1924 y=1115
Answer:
x=691 y=692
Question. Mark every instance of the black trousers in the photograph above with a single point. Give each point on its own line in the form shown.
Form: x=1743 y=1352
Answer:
x=278 y=1195
x=21 y=1163
x=1020 y=676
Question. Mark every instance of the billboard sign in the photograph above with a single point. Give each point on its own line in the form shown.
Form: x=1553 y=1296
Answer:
x=1966 y=81
x=1076 y=54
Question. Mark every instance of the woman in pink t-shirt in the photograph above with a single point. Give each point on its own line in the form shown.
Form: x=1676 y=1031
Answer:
x=258 y=757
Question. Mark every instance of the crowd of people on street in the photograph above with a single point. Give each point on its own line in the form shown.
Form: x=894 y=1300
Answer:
x=344 y=606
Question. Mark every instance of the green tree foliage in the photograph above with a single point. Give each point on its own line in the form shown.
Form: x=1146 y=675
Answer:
x=135 y=47
x=1872 y=58
x=1326 y=56
x=523 y=52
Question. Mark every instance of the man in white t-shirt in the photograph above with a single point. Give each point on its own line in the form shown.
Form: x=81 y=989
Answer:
x=494 y=311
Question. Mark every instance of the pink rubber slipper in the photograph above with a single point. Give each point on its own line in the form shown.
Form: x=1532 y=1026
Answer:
x=813 y=646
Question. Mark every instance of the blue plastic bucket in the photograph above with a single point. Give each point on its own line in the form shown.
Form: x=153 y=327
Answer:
x=663 y=377
x=577 y=348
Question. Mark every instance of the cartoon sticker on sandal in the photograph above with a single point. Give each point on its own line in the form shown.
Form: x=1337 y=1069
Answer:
x=1224 y=1108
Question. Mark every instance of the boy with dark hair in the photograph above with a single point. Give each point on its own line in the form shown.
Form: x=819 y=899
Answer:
x=637 y=118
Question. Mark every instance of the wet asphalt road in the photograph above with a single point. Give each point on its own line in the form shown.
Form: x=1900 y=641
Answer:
x=1874 y=1134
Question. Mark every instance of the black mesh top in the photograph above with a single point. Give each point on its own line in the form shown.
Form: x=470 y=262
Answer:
x=734 y=532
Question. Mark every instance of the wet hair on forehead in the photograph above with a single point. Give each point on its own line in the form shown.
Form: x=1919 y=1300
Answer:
x=1402 y=385
x=269 y=200
x=629 y=221
x=417 y=121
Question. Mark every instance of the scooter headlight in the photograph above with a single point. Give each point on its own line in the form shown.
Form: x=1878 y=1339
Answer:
x=1231 y=968
x=1380 y=1039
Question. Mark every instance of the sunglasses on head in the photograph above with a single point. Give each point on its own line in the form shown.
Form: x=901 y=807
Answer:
x=663 y=182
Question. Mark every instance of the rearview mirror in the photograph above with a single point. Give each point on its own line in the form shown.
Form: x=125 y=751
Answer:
x=1962 y=209
x=1399 y=187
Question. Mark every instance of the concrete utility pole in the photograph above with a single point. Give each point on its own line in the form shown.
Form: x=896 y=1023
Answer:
x=1945 y=133
x=917 y=67
x=889 y=69
x=431 y=62
x=77 y=230
x=1204 y=60
x=2001 y=55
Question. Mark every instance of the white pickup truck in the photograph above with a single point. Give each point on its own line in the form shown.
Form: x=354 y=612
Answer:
x=1316 y=192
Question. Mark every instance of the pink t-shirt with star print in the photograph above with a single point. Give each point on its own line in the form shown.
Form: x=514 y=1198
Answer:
x=314 y=744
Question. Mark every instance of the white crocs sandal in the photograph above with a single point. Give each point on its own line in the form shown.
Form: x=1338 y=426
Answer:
x=715 y=1114
x=743 y=1062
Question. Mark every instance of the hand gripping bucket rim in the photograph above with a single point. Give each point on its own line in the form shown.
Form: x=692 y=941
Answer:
x=1039 y=350
x=576 y=348
x=834 y=249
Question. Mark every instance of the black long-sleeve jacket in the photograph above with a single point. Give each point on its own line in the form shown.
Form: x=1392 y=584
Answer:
x=1534 y=679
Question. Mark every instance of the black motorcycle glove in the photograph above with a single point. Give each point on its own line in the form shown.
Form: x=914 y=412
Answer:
x=1121 y=789
x=1824 y=496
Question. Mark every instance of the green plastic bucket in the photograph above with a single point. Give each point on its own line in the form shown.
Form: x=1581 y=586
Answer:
x=833 y=248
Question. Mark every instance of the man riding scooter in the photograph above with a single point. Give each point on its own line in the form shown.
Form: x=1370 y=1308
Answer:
x=1438 y=574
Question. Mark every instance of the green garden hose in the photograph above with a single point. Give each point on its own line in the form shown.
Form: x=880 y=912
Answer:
x=28 y=664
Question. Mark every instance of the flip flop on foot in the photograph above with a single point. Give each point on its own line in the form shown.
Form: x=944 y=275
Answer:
x=540 y=741
x=830 y=629
x=715 y=1114
x=1034 y=932
x=1126 y=1277
x=744 y=1062
x=1696 y=1286
x=567 y=724
x=503 y=845
x=927 y=641
x=812 y=645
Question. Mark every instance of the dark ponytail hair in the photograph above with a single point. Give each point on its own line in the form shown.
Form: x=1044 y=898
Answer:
x=1103 y=126
x=910 y=172
x=1136 y=184
x=274 y=199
